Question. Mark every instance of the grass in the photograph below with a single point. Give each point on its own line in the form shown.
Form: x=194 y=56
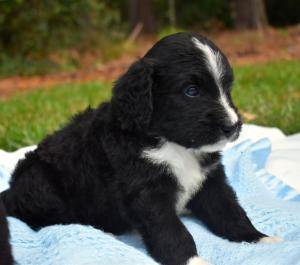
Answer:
x=27 y=118
x=270 y=92
x=18 y=65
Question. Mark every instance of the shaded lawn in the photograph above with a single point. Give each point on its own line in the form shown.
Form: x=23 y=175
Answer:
x=271 y=92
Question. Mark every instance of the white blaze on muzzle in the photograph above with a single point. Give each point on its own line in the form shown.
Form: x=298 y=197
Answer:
x=233 y=117
x=214 y=63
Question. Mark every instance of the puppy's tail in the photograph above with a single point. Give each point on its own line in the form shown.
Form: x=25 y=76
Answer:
x=5 y=249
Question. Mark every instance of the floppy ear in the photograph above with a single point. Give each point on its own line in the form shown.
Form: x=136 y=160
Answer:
x=132 y=97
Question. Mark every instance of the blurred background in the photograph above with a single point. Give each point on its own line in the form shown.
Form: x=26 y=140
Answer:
x=59 y=56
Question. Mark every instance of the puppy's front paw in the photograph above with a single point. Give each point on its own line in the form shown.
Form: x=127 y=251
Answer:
x=270 y=239
x=197 y=261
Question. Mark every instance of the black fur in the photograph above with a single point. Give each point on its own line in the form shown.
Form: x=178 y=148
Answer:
x=5 y=251
x=91 y=171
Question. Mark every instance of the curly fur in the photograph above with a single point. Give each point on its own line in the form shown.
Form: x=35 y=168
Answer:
x=5 y=251
x=125 y=165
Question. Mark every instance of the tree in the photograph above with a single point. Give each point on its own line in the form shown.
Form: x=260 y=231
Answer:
x=141 y=13
x=249 y=14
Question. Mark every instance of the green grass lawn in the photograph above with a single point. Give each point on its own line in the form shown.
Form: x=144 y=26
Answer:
x=26 y=118
x=270 y=91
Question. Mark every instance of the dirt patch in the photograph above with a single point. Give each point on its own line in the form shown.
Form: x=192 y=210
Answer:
x=240 y=47
x=107 y=72
x=262 y=46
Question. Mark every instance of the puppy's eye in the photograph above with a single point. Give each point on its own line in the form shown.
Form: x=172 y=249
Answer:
x=192 y=92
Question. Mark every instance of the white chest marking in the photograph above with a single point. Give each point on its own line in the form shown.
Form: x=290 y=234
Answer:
x=183 y=164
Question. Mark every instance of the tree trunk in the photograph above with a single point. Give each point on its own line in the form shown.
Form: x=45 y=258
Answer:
x=141 y=13
x=249 y=14
x=172 y=13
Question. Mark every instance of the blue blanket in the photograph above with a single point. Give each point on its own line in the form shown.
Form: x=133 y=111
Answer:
x=273 y=207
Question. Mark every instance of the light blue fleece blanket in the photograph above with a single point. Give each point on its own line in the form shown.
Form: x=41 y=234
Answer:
x=273 y=207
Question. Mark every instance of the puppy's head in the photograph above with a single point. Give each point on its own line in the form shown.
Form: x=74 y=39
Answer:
x=180 y=91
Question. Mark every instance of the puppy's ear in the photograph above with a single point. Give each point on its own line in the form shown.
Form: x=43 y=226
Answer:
x=132 y=97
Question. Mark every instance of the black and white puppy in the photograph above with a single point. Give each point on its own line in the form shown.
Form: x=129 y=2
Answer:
x=145 y=157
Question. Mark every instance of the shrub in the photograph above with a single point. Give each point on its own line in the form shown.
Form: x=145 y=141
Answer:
x=30 y=26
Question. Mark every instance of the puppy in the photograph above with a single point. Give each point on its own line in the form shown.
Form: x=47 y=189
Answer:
x=145 y=157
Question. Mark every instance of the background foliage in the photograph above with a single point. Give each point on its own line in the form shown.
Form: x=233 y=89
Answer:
x=283 y=13
x=31 y=28
x=32 y=25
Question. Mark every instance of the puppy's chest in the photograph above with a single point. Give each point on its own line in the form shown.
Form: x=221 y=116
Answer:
x=184 y=166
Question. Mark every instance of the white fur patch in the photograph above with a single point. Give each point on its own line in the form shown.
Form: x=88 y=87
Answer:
x=233 y=117
x=270 y=239
x=197 y=261
x=213 y=59
x=215 y=66
x=185 y=166
x=211 y=148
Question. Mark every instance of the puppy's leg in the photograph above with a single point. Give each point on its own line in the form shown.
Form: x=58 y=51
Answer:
x=33 y=199
x=5 y=250
x=166 y=238
x=217 y=206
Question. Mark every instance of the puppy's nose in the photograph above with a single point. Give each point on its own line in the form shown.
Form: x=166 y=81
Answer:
x=229 y=130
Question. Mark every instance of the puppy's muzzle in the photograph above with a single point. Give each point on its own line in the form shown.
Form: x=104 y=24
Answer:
x=231 y=132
